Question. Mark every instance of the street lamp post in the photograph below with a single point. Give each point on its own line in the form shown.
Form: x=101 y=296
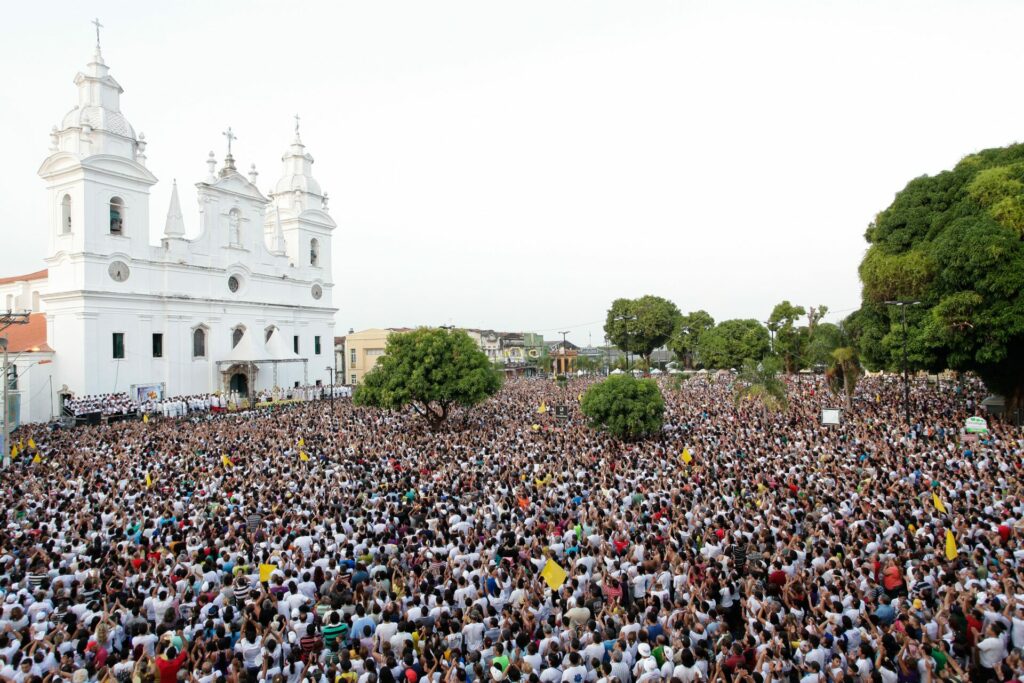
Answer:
x=563 y=363
x=771 y=334
x=626 y=319
x=902 y=305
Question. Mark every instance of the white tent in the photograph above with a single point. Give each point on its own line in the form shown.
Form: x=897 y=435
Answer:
x=245 y=351
x=617 y=371
x=656 y=371
x=277 y=349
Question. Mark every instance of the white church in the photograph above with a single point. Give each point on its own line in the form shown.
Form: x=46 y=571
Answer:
x=244 y=305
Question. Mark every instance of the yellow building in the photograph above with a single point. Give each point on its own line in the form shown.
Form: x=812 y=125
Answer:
x=363 y=349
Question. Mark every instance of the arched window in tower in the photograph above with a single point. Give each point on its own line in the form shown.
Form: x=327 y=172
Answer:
x=199 y=342
x=236 y=336
x=314 y=252
x=65 y=215
x=116 y=216
x=235 y=227
x=267 y=332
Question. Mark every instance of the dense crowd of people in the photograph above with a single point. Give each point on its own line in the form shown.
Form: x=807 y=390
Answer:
x=296 y=544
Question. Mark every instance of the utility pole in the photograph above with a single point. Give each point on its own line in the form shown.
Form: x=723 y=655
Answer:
x=6 y=320
x=902 y=305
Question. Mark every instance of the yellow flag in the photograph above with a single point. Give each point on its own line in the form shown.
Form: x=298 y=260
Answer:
x=938 y=503
x=951 y=552
x=579 y=397
x=224 y=460
x=303 y=457
x=535 y=427
x=687 y=458
x=265 y=571
x=543 y=407
x=145 y=418
x=36 y=460
x=31 y=442
x=553 y=575
x=149 y=480
x=14 y=451
x=302 y=443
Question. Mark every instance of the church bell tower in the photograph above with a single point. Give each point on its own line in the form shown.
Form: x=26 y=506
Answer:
x=97 y=187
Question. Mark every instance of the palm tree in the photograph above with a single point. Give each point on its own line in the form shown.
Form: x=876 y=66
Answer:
x=844 y=372
x=761 y=382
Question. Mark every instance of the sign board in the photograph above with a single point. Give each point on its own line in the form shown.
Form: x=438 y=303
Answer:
x=147 y=392
x=562 y=412
x=830 y=416
x=976 y=425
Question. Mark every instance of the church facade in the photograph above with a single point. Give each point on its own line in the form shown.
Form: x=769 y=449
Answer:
x=245 y=304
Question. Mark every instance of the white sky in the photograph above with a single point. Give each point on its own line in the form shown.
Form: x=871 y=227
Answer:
x=519 y=164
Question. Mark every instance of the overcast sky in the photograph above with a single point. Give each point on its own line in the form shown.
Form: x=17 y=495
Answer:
x=519 y=164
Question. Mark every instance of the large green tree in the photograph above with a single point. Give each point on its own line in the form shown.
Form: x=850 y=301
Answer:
x=431 y=370
x=953 y=242
x=825 y=338
x=731 y=342
x=641 y=325
x=626 y=407
x=686 y=335
x=789 y=339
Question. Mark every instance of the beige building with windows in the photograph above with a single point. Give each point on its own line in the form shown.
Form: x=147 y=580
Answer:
x=363 y=350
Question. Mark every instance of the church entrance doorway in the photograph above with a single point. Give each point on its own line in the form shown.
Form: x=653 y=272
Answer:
x=239 y=384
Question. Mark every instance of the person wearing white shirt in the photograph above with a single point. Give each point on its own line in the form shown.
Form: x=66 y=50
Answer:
x=991 y=650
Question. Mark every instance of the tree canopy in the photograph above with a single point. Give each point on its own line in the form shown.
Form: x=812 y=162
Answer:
x=641 y=325
x=626 y=407
x=953 y=242
x=685 y=336
x=789 y=339
x=431 y=370
x=731 y=342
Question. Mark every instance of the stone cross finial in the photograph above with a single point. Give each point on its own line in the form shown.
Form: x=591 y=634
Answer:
x=96 y=22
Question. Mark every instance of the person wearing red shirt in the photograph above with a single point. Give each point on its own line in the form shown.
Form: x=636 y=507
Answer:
x=776 y=579
x=168 y=664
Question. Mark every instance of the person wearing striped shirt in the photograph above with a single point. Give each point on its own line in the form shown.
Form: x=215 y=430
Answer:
x=334 y=632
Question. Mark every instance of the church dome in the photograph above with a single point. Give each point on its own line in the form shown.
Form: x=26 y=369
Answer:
x=304 y=183
x=99 y=118
x=297 y=177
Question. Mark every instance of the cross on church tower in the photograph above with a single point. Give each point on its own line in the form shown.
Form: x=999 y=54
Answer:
x=229 y=161
x=96 y=22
